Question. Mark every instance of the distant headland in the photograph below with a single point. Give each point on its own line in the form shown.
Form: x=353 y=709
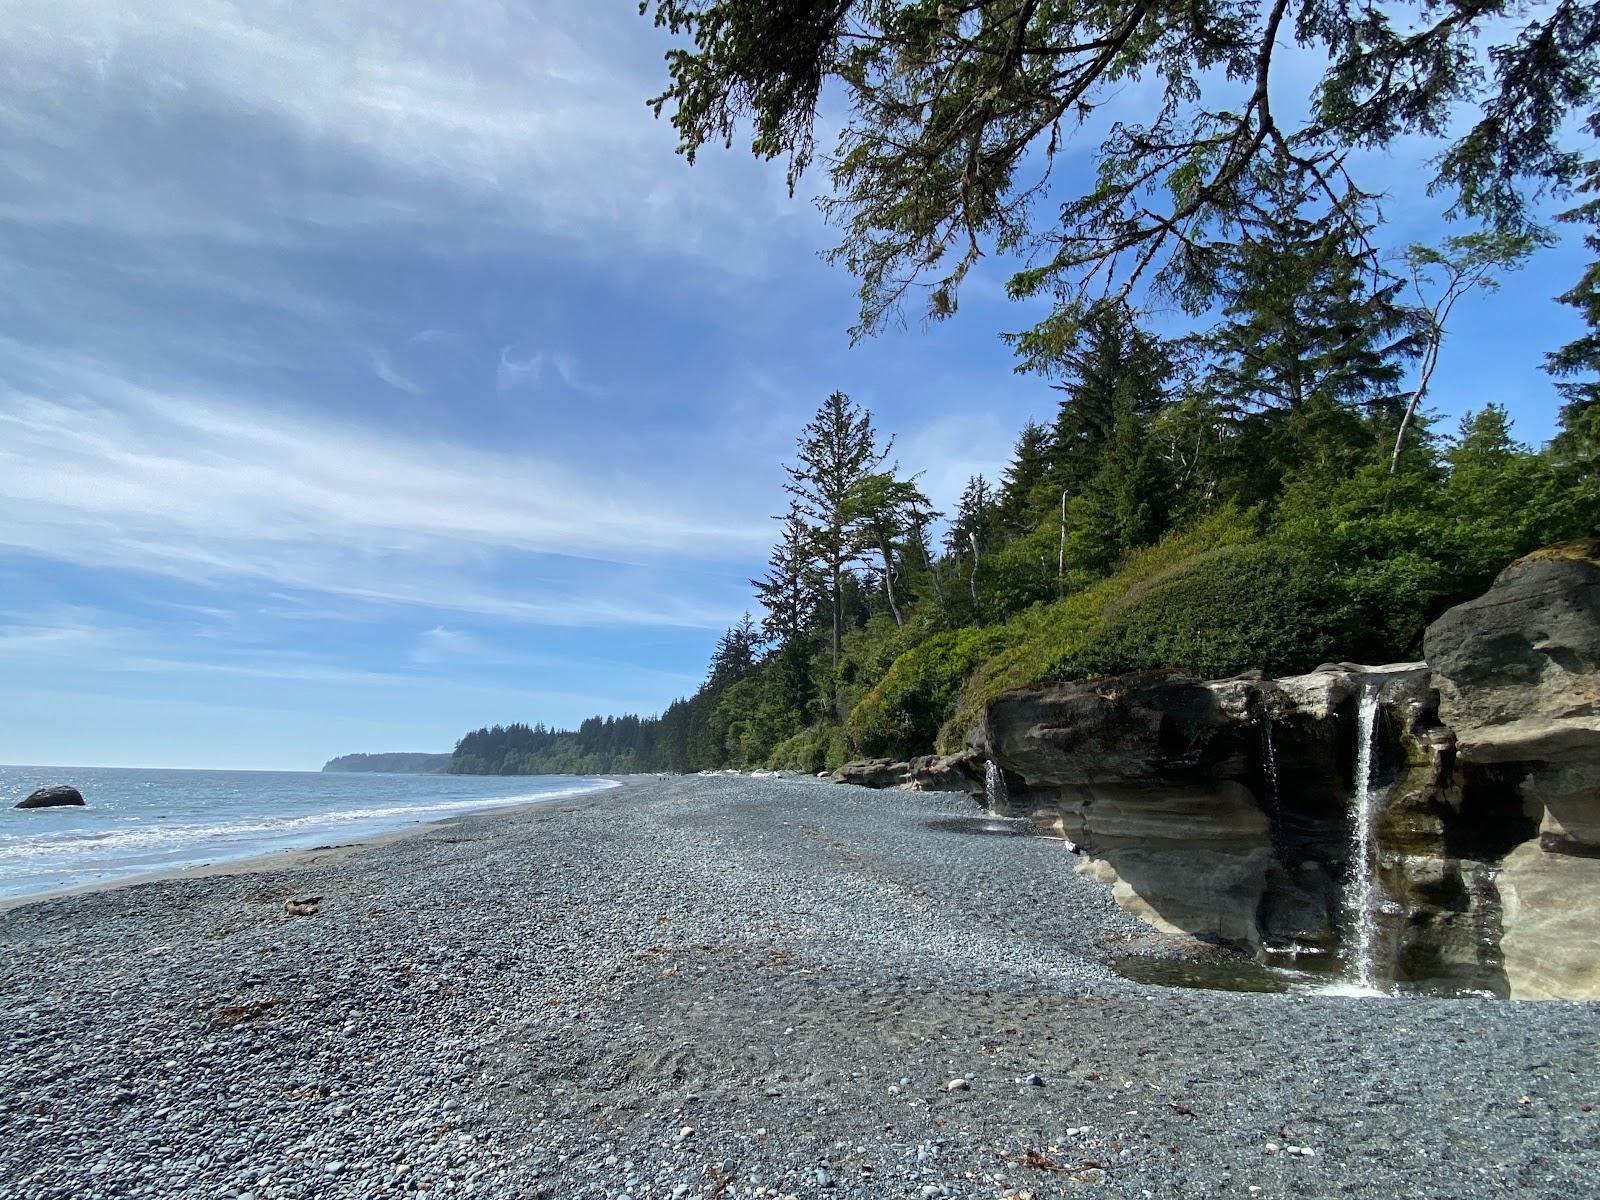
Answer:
x=401 y=763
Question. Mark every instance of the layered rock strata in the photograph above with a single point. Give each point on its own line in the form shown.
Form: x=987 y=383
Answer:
x=1223 y=808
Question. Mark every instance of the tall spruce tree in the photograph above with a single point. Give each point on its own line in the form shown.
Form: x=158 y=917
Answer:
x=1577 y=364
x=788 y=590
x=971 y=531
x=1025 y=481
x=972 y=527
x=1306 y=360
x=837 y=450
x=1112 y=363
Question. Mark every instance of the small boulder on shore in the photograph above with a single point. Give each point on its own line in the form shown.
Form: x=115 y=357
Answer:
x=60 y=796
x=874 y=773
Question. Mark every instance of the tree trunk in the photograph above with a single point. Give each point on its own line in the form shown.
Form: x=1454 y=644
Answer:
x=888 y=583
x=1423 y=375
x=838 y=612
x=1061 y=555
x=1430 y=358
x=933 y=574
x=973 y=582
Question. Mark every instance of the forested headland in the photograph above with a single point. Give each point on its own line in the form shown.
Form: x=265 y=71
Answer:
x=403 y=763
x=1267 y=489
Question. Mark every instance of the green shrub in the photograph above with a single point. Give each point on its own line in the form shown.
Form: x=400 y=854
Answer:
x=820 y=748
x=1021 y=574
x=902 y=713
x=1036 y=640
x=1265 y=606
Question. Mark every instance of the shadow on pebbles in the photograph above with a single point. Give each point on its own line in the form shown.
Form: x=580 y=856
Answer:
x=726 y=987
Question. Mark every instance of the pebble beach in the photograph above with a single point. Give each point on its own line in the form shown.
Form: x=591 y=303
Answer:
x=729 y=987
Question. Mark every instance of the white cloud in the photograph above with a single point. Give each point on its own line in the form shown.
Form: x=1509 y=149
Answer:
x=383 y=368
x=532 y=369
x=43 y=639
x=105 y=473
x=446 y=645
x=276 y=123
x=951 y=449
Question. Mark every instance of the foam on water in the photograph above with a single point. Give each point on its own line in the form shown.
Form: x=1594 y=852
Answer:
x=141 y=821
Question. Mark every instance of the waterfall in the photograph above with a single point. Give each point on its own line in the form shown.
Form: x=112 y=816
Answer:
x=1361 y=895
x=1271 y=757
x=994 y=788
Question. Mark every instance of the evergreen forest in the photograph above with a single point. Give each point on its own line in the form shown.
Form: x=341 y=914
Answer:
x=1267 y=490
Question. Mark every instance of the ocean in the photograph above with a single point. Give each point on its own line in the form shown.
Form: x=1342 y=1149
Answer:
x=139 y=821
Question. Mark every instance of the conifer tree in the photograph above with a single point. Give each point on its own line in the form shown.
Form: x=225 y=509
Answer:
x=837 y=450
x=1025 y=478
x=972 y=529
x=735 y=654
x=788 y=590
x=1306 y=361
x=1113 y=362
x=884 y=511
x=1577 y=364
x=973 y=524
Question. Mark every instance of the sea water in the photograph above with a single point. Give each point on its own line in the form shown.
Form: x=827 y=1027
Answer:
x=140 y=821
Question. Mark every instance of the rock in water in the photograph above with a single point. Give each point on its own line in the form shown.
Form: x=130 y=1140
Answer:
x=59 y=796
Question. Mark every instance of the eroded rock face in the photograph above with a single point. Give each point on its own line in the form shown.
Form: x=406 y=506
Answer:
x=962 y=773
x=1143 y=727
x=1551 y=938
x=1518 y=674
x=1146 y=775
x=1518 y=669
x=1223 y=808
x=874 y=773
x=59 y=796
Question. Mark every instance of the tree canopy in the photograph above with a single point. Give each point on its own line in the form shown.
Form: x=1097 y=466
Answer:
x=956 y=114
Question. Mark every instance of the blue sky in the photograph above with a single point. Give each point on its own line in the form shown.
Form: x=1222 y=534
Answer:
x=369 y=372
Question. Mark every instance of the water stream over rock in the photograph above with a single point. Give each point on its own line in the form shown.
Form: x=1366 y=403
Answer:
x=1362 y=893
x=994 y=787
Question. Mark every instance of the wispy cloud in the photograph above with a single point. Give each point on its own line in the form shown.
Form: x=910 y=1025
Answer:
x=101 y=472
x=532 y=369
x=132 y=118
x=383 y=368
x=43 y=639
x=446 y=645
x=950 y=449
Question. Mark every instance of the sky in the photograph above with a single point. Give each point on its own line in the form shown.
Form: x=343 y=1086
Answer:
x=374 y=371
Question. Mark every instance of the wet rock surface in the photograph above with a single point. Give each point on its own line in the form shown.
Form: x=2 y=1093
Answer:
x=738 y=988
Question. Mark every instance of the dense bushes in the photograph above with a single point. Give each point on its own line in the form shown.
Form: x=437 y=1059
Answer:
x=902 y=714
x=1265 y=606
x=820 y=748
x=1036 y=641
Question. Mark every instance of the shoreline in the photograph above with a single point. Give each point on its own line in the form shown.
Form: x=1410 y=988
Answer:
x=292 y=858
x=755 y=988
